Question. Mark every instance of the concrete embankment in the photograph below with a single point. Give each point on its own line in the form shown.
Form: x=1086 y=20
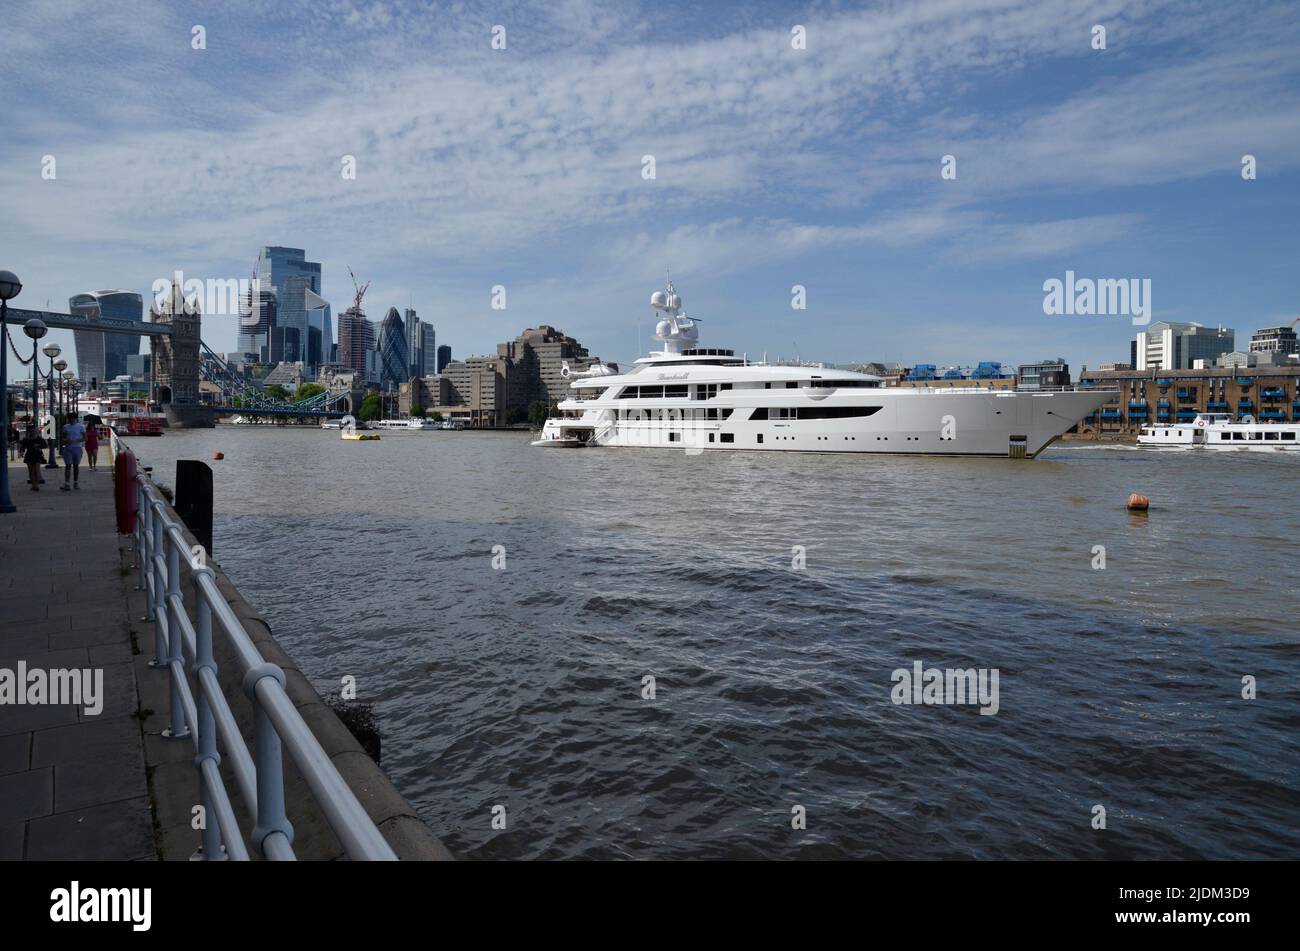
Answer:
x=110 y=786
x=175 y=783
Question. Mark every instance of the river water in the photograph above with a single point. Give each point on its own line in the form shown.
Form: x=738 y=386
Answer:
x=524 y=686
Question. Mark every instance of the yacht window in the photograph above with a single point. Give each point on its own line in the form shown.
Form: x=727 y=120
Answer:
x=1223 y=436
x=760 y=413
x=1288 y=436
x=728 y=437
x=1238 y=436
x=724 y=386
x=710 y=437
x=711 y=413
x=1256 y=435
x=652 y=392
x=675 y=392
x=760 y=439
x=792 y=385
x=674 y=437
x=1270 y=435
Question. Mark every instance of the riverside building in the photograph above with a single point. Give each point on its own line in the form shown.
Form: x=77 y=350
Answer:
x=1264 y=393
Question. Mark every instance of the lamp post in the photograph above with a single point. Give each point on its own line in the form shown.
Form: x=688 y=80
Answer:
x=74 y=387
x=65 y=398
x=9 y=288
x=35 y=329
x=62 y=367
x=51 y=350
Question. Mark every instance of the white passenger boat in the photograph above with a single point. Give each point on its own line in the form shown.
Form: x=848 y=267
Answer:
x=1218 y=431
x=693 y=398
x=413 y=425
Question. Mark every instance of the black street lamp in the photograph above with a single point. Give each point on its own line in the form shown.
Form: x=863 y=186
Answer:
x=51 y=350
x=36 y=329
x=9 y=288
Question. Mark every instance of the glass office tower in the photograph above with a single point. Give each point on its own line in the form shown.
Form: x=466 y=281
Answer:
x=292 y=276
x=100 y=356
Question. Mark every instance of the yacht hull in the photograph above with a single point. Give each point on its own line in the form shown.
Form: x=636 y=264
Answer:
x=1007 y=423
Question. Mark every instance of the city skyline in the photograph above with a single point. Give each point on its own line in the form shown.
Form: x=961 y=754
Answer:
x=774 y=166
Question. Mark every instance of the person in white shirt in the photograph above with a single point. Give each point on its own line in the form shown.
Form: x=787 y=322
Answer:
x=74 y=443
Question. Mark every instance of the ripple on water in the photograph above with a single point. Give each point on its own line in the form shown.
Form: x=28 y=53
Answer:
x=527 y=686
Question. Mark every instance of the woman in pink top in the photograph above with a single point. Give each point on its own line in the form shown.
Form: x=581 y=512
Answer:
x=92 y=442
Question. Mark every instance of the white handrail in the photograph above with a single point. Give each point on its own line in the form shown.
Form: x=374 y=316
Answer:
x=203 y=713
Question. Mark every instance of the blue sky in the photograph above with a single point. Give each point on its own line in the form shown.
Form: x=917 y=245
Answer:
x=774 y=166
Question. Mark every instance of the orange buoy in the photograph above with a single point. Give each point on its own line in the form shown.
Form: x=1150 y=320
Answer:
x=218 y=455
x=1138 y=503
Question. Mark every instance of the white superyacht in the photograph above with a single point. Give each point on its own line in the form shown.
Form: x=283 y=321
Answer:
x=693 y=398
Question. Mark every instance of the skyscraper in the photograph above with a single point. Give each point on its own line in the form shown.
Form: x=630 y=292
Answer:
x=320 y=330
x=356 y=339
x=444 y=357
x=414 y=342
x=102 y=356
x=292 y=276
x=428 y=349
x=394 y=359
x=256 y=318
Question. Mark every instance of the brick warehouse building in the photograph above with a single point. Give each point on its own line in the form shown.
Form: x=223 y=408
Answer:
x=1269 y=394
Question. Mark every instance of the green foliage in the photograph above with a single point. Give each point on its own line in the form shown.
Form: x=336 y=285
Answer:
x=276 y=392
x=537 y=413
x=306 y=391
x=372 y=407
x=436 y=416
x=417 y=409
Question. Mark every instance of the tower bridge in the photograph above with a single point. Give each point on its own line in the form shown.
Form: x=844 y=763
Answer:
x=180 y=359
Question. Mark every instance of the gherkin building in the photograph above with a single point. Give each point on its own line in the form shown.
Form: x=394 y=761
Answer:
x=394 y=360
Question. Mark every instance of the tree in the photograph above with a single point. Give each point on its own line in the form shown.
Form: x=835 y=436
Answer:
x=306 y=391
x=372 y=407
x=436 y=416
x=537 y=414
x=417 y=409
x=275 y=392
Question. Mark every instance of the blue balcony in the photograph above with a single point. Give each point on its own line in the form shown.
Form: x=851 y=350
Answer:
x=1246 y=404
x=1110 y=414
x=1164 y=381
x=1272 y=395
x=1162 y=403
x=1137 y=404
x=1244 y=381
x=1137 y=414
x=1187 y=414
x=1217 y=406
x=1272 y=414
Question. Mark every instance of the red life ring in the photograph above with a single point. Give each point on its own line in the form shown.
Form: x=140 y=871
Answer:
x=125 y=493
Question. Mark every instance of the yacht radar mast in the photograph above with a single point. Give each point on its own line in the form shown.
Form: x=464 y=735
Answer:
x=677 y=331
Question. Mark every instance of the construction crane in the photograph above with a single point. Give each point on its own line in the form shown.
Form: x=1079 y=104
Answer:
x=361 y=292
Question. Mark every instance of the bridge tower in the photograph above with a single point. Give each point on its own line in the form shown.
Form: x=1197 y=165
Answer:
x=175 y=360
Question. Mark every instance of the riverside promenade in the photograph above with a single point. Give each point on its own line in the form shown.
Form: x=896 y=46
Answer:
x=83 y=786
x=72 y=785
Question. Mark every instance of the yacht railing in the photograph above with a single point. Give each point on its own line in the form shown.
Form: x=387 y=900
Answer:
x=200 y=710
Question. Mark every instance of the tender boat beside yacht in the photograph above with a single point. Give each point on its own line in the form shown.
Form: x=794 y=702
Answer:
x=1217 y=431
x=692 y=398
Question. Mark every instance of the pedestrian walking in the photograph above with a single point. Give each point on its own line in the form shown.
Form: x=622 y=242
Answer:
x=92 y=442
x=33 y=446
x=74 y=442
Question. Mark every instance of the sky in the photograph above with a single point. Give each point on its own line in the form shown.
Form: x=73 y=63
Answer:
x=781 y=157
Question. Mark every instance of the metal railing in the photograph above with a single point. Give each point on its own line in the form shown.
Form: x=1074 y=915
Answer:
x=200 y=710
